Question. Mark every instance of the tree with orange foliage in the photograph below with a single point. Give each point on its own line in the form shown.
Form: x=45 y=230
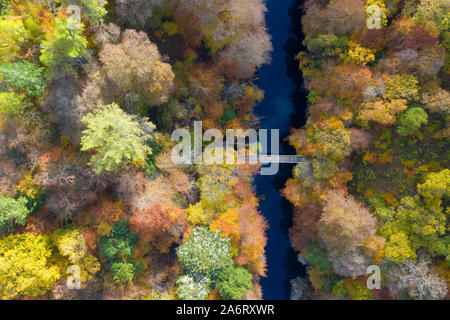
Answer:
x=150 y=223
x=349 y=82
x=253 y=238
x=305 y=226
x=228 y=223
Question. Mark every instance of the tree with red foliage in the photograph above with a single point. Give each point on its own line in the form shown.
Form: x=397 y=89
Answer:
x=150 y=223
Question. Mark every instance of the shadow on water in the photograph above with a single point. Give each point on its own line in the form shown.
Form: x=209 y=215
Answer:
x=284 y=106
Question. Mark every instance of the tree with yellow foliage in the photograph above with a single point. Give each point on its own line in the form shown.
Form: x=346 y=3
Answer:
x=13 y=37
x=401 y=86
x=358 y=54
x=25 y=269
x=398 y=248
x=381 y=111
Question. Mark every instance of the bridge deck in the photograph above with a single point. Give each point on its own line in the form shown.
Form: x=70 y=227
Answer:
x=273 y=158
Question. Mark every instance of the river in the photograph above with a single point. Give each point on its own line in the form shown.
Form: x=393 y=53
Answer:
x=284 y=106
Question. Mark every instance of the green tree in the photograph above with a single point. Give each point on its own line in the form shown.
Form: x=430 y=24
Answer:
x=233 y=282
x=61 y=50
x=189 y=289
x=121 y=241
x=12 y=211
x=25 y=76
x=4 y=10
x=116 y=137
x=411 y=121
x=353 y=289
x=125 y=270
x=206 y=253
x=93 y=10
x=326 y=45
x=12 y=104
x=24 y=268
x=317 y=256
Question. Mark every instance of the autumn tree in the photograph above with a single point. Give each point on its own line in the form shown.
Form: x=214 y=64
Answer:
x=417 y=280
x=430 y=12
x=360 y=139
x=401 y=87
x=435 y=186
x=415 y=224
x=245 y=56
x=358 y=54
x=381 y=111
x=151 y=222
x=134 y=66
x=353 y=289
x=344 y=226
x=325 y=45
x=398 y=248
x=71 y=244
x=234 y=29
x=215 y=182
x=340 y=17
x=332 y=143
x=13 y=37
x=25 y=269
x=437 y=101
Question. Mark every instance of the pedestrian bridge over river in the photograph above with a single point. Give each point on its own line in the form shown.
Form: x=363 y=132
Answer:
x=265 y=159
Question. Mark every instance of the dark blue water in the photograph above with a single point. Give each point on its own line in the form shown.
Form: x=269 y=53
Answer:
x=284 y=105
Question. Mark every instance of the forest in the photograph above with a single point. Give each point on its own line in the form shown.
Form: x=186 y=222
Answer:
x=92 y=207
x=375 y=190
